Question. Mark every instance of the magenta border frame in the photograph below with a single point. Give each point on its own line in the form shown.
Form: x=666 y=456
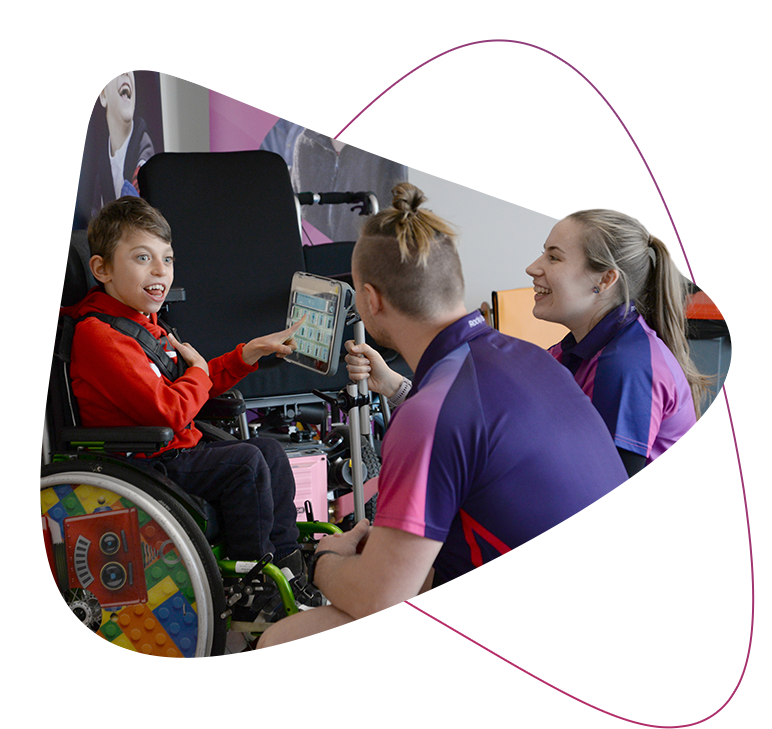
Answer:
x=661 y=693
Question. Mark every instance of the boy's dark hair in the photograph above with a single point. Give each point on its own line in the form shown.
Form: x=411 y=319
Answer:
x=124 y=215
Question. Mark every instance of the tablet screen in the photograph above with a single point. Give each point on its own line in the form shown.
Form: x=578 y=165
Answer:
x=325 y=303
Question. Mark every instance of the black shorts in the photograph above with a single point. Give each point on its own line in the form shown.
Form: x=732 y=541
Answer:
x=690 y=596
x=416 y=635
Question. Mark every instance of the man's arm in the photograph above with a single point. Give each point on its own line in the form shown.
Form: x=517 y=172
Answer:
x=392 y=567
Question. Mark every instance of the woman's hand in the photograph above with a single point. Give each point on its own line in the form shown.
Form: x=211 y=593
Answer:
x=281 y=344
x=364 y=363
x=189 y=354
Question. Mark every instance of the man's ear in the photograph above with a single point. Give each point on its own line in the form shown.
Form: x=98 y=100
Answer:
x=375 y=300
x=100 y=269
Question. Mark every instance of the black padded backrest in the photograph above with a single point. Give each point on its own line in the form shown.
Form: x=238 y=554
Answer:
x=237 y=244
x=78 y=278
x=329 y=259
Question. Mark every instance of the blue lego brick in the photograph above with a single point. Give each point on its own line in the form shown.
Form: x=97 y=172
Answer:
x=180 y=621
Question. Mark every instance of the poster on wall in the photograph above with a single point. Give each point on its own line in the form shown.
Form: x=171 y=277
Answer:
x=124 y=131
x=338 y=131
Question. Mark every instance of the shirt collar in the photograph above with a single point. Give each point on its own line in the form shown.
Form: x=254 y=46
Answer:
x=468 y=327
x=601 y=334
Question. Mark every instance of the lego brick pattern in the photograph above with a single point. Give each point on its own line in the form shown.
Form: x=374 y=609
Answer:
x=165 y=625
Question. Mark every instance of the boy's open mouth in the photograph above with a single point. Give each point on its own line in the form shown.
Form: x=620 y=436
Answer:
x=157 y=291
x=125 y=90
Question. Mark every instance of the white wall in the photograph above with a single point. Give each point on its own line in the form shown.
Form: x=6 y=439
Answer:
x=504 y=154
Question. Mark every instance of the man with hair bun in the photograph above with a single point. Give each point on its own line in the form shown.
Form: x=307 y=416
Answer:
x=493 y=445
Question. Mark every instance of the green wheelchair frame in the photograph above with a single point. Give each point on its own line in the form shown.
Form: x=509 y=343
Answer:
x=130 y=552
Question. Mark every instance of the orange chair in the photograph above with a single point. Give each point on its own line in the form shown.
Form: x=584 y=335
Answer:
x=511 y=312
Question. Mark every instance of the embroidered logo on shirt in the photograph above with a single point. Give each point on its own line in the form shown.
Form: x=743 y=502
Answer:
x=413 y=633
x=476 y=321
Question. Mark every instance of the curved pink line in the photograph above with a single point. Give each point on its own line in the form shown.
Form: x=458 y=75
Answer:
x=458 y=632
x=648 y=169
x=346 y=126
x=548 y=597
x=728 y=407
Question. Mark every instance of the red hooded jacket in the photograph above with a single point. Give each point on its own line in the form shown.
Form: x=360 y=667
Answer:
x=117 y=385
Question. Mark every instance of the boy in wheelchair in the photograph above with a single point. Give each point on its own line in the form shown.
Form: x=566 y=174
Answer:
x=116 y=383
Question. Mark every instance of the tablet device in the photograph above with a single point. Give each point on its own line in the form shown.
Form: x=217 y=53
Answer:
x=325 y=303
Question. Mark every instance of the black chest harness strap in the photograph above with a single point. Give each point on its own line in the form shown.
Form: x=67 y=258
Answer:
x=170 y=367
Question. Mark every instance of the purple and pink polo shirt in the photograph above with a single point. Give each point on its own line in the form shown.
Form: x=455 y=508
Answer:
x=633 y=380
x=494 y=445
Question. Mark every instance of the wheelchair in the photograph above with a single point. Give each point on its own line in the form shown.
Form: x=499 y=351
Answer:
x=137 y=559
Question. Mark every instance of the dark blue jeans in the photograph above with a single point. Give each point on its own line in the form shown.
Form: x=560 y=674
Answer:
x=251 y=485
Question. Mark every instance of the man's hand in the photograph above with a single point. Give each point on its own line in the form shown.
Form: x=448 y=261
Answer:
x=189 y=354
x=364 y=363
x=281 y=344
x=348 y=543
x=360 y=580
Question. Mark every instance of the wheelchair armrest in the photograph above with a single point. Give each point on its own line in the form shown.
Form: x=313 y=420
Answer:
x=222 y=408
x=119 y=440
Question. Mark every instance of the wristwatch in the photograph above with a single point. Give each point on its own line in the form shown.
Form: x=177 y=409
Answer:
x=314 y=559
x=399 y=396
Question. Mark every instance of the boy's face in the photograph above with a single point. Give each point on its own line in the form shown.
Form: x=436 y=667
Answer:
x=118 y=97
x=141 y=272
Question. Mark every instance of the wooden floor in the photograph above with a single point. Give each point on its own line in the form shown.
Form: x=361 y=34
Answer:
x=721 y=485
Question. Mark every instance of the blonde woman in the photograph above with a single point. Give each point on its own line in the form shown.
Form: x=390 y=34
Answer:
x=495 y=445
x=617 y=290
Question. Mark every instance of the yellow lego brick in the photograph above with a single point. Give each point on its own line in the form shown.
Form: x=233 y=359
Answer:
x=124 y=648
x=48 y=498
x=93 y=498
x=161 y=592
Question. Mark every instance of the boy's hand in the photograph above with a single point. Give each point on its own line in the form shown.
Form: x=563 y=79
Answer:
x=281 y=344
x=189 y=354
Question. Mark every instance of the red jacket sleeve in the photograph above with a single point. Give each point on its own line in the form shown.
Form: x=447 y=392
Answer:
x=116 y=384
x=228 y=370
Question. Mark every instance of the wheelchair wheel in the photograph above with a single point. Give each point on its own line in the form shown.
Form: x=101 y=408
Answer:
x=130 y=562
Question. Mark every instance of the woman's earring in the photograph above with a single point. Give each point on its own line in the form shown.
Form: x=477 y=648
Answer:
x=596 y=290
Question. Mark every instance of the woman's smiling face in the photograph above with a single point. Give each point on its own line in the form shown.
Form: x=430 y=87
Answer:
x=564 y=285
x=335 y=93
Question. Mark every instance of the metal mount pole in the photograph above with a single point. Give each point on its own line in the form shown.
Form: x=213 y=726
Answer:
x=359 y=425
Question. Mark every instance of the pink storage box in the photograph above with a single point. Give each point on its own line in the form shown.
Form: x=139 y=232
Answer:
x=310 y=474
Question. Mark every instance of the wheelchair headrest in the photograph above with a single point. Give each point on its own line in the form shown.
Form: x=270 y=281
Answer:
x=78 y=278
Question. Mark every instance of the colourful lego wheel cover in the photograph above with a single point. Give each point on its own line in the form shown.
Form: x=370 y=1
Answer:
x=176 y=617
